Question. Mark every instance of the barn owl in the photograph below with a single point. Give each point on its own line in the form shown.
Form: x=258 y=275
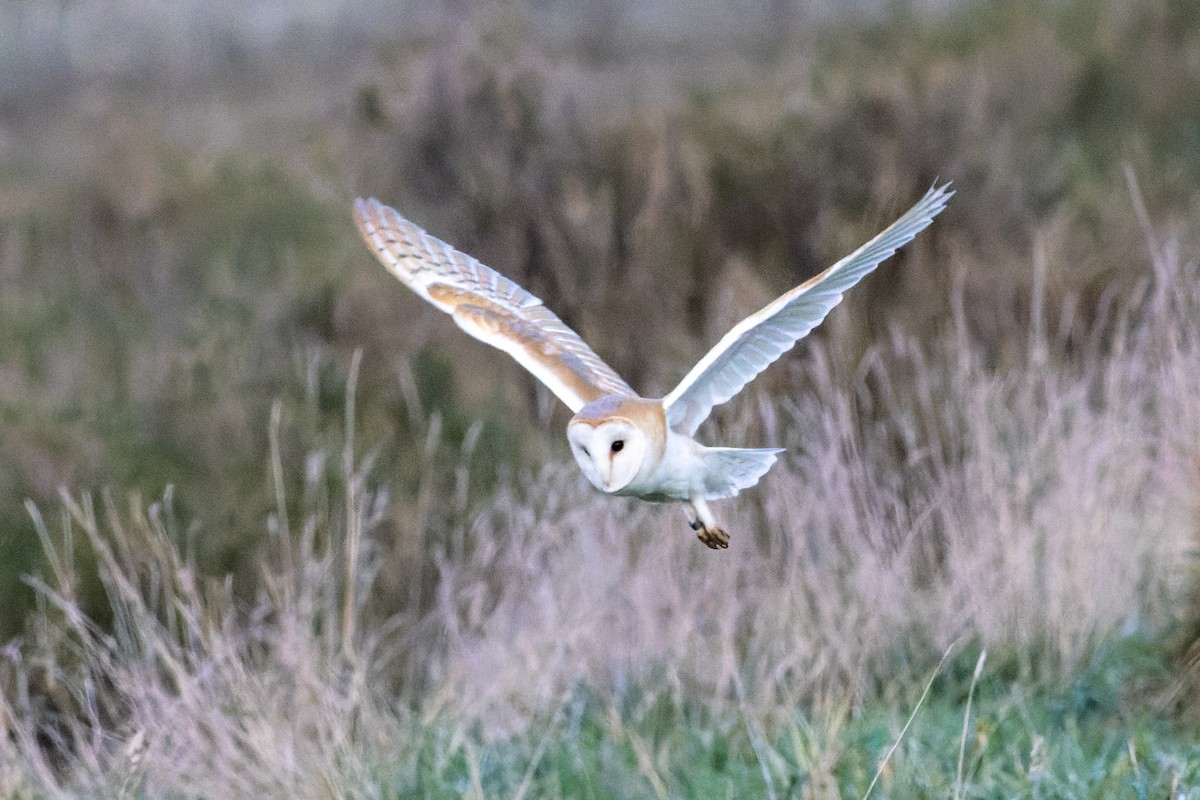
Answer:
x=624 y=443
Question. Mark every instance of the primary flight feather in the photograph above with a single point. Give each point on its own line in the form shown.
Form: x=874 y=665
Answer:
x=626 y=444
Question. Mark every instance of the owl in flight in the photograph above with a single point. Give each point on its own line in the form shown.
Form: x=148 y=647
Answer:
x=627 y=444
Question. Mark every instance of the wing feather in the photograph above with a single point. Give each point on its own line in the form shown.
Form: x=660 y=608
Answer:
x=488 y=306
x=755 y=342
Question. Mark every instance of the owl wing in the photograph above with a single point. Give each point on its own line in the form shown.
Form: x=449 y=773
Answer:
x=755 y=342
x=488 y=306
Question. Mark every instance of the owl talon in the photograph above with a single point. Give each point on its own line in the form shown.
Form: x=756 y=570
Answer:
x=714 y=537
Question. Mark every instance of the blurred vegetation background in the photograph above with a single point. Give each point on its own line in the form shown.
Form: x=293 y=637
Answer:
x=997 y=437
x=176 y=251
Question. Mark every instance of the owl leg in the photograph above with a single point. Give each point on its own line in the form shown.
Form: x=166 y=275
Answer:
x=702 y=522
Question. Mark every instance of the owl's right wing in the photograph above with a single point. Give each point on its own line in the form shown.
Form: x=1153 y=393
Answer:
x=488 y=306
x=755 y=342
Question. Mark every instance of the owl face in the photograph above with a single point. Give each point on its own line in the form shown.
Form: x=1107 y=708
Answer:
x=610 y=453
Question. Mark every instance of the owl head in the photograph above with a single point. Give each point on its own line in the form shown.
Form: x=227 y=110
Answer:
x=612 y=438
x=610 y=454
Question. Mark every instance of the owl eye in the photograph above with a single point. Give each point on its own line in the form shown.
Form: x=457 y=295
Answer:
x=618 y=445
x=585 y=450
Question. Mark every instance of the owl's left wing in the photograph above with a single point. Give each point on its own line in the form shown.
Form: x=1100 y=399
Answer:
x=488 y=306
x=755 y=342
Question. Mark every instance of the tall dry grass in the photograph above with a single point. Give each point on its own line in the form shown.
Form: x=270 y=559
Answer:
x=1036 y=509
x=189 y=691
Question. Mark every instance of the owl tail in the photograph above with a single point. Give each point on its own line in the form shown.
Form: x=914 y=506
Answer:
x=728 y=470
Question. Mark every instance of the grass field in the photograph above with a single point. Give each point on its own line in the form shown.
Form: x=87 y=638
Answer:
x=270 y=526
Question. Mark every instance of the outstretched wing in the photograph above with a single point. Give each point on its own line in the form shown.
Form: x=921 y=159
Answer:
x=762 y=337
x=488 y=306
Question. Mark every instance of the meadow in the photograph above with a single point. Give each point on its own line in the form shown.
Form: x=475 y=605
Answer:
x=270 y=526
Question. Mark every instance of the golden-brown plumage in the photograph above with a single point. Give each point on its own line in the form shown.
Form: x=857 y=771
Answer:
x=488 y=306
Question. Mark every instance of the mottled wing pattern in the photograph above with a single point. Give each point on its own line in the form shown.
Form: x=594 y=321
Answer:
x=761 y=338
x=488 y=306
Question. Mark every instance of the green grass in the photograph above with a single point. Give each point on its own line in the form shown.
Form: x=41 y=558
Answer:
x=1098 y=737
x=1018 y=745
